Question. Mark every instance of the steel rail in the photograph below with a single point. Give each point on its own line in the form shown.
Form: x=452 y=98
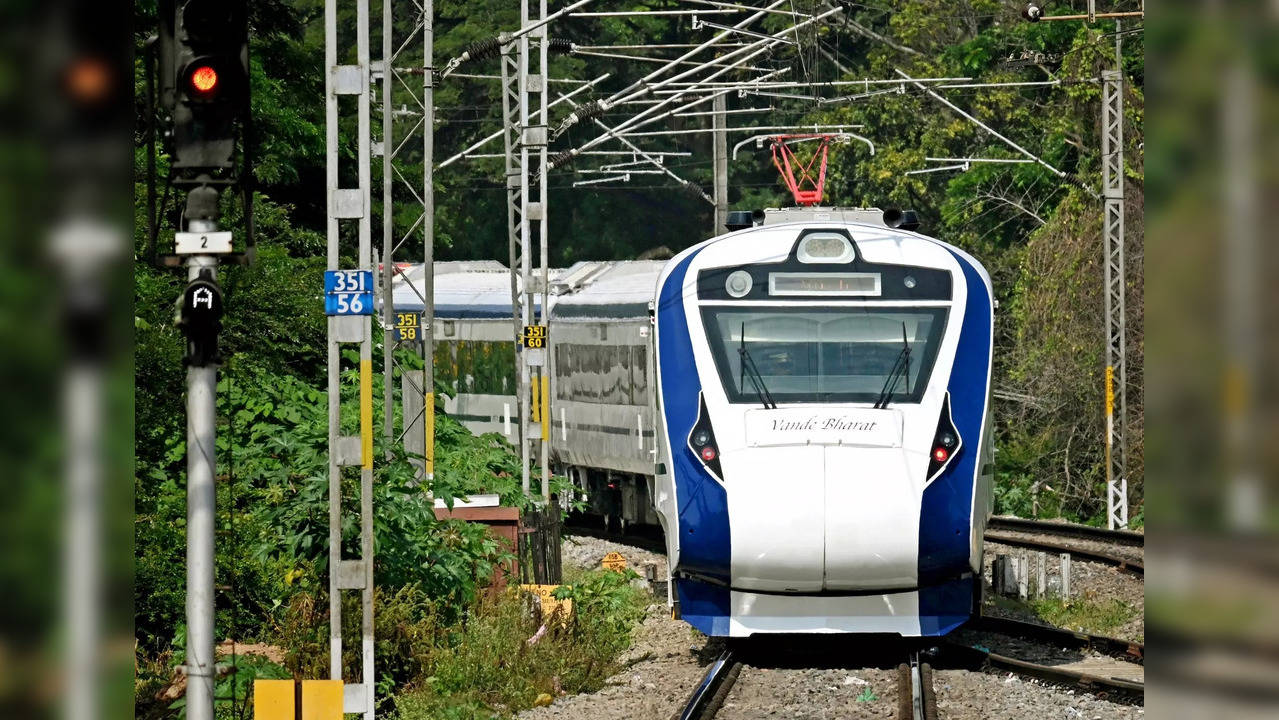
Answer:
x=1074 y=530
x=1133 y=652
x=1124 y=564
x=978 y=657
x=708 y=696
x=916 y=698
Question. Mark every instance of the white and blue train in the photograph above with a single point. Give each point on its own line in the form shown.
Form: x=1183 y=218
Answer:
x=802 y=406
x=824 y=406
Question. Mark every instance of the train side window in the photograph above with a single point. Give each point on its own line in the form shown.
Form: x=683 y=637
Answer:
x=622 y=375
x=583 y=374
x=639 y=375
x=445 y=371
x=563 y=372
x=466 y=366
x=601 y=363
x=493 y=364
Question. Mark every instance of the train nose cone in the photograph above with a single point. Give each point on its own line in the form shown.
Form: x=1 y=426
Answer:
x=871 y=519
x=808 y=519
x=777 y=521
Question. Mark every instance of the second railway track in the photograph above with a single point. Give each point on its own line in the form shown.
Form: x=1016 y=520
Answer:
x=1121 y=549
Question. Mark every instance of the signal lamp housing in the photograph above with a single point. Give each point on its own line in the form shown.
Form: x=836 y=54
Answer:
x=701 y=442
x=946 y=443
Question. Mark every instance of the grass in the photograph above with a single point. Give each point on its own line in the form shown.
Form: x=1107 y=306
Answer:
x=489 y=669
x=1096 y=616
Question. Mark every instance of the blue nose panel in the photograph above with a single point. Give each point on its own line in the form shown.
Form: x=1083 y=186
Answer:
x=946 y=515
x=702 y=502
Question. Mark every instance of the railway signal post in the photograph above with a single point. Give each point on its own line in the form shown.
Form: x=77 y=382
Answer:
x=204 y=88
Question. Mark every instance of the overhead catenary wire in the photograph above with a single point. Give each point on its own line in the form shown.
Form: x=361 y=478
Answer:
x=738 y=111
x=642 y=58
x=650 y=159
x=644 y=13
x=982 y=125
x=716 y=3
x=641 y=87
x=621 y=178
x=537 y=115
x=763 y=45
x=779 y=128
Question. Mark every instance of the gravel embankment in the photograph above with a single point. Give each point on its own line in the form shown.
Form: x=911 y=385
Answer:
x=668 y=659
x=1089 y=581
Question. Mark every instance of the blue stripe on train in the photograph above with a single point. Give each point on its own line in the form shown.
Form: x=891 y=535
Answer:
x=702 y=503
x=704 y=606
x=946 y=513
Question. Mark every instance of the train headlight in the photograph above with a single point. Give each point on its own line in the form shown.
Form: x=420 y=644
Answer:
x=739 y=283
x=701 y=442
x=946 y=442
x=909 y=282
x=825 y=247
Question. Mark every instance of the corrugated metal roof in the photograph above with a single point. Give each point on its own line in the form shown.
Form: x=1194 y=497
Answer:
x=482 y=289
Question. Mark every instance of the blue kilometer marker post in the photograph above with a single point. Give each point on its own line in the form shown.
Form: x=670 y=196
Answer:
x=348 y=292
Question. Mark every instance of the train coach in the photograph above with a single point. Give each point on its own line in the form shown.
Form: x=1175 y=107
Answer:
x=824 y=394
x=801 y=405
x=602 y=424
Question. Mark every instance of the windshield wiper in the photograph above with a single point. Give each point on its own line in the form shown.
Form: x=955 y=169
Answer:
x=757 y=380
x=901 y=368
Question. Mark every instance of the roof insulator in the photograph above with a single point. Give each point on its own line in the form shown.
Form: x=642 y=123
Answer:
x=585 y=111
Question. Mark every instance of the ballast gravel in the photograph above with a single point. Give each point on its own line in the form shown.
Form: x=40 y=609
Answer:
x=668 y=658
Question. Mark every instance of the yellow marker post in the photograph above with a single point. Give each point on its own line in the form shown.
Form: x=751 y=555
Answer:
x=1110 y=414
x=545 y=412
x=321 y=700
x=273 y=700
x=536 y=405
x=550 y=605
x=429 y=455
x=366 y=412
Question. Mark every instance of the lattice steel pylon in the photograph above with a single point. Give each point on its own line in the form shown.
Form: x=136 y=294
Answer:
x=406 y=146
x=1112 y=171
x=524 y=81
x=346 y=207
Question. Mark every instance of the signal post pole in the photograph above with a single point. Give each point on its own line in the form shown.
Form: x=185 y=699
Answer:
x=204 y=86
x=199 y=317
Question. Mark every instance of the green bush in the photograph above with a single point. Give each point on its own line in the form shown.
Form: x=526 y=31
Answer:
x=491 y=664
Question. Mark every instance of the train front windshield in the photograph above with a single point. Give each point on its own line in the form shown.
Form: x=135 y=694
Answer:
x=844 y=354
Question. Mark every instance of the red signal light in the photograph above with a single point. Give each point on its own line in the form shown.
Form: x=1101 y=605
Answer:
x=940 y=454
x=708 y=453
x=204 y=79
x=88 y=80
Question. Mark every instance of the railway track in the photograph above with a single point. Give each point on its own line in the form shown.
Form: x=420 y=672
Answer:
x=708 y=697
x=1030 y=534
x=916 y=696
x=1067 y=530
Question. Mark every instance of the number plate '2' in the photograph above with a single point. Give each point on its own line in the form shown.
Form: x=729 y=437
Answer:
x=348 y=292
